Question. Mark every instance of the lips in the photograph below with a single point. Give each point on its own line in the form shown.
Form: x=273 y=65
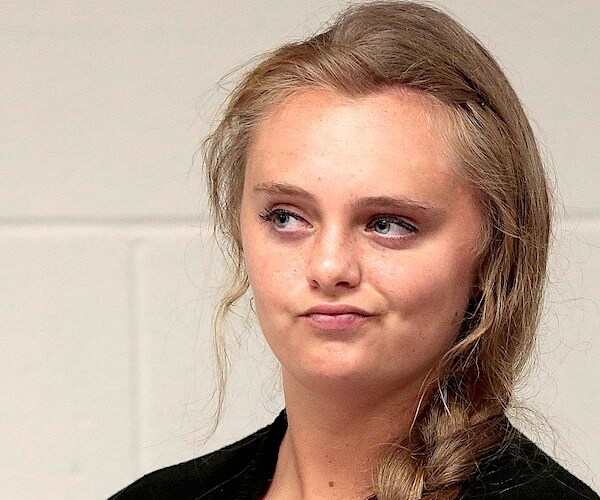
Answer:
x=336 y=316
x=337 y=309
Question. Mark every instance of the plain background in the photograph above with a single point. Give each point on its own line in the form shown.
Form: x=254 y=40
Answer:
x=107 y=271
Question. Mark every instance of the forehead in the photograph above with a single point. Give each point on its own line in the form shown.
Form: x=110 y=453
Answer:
x=391 y=134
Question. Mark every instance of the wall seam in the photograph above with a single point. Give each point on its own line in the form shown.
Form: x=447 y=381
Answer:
x=134 y=341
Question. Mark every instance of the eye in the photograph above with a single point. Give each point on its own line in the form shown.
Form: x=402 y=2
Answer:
x=282 y=219
x=391 y=227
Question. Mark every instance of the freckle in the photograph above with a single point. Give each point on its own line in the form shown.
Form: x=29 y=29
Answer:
x=331 y=483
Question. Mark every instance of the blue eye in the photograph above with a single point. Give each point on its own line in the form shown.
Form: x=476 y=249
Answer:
x=281 y=218
x=382 y=226
x=391 y=227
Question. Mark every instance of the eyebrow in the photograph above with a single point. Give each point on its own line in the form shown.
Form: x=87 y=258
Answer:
x=395 y=202
x=282 y=188
x=392 y=202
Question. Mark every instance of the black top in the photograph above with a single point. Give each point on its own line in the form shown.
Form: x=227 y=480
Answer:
x=243 y=470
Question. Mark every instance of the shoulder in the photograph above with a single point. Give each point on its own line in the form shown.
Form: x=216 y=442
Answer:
x=211 y=476
x=522 y=471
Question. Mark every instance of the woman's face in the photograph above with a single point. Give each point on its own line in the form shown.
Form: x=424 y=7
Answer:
x=358 y=239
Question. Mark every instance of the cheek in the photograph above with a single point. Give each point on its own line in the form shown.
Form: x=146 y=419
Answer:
x=271 y=271
x=435 y=288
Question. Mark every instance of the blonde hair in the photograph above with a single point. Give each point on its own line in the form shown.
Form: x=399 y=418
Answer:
x=391 y=44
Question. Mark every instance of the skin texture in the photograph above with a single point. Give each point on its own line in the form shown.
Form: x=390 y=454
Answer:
x=353 y=204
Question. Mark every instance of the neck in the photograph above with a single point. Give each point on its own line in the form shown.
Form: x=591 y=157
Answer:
x=332 y=445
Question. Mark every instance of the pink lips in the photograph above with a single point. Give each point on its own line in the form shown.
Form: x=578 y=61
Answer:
x=335 y=316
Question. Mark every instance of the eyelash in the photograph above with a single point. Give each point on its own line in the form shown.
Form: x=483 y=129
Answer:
x=394 y=220
x=269 y=214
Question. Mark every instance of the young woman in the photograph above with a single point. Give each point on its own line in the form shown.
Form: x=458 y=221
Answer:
x=383 y=199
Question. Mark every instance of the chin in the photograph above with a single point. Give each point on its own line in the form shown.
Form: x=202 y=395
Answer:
x=338 y=373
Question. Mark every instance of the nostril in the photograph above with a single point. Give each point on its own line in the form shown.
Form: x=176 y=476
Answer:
x=332 y=263
x=342 y=279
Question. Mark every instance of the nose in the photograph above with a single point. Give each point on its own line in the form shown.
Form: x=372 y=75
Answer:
x=333 y=262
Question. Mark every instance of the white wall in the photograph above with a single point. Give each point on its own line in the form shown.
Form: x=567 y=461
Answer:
x=107 y=272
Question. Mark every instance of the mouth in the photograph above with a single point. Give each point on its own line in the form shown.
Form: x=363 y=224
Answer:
x=336 y=316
